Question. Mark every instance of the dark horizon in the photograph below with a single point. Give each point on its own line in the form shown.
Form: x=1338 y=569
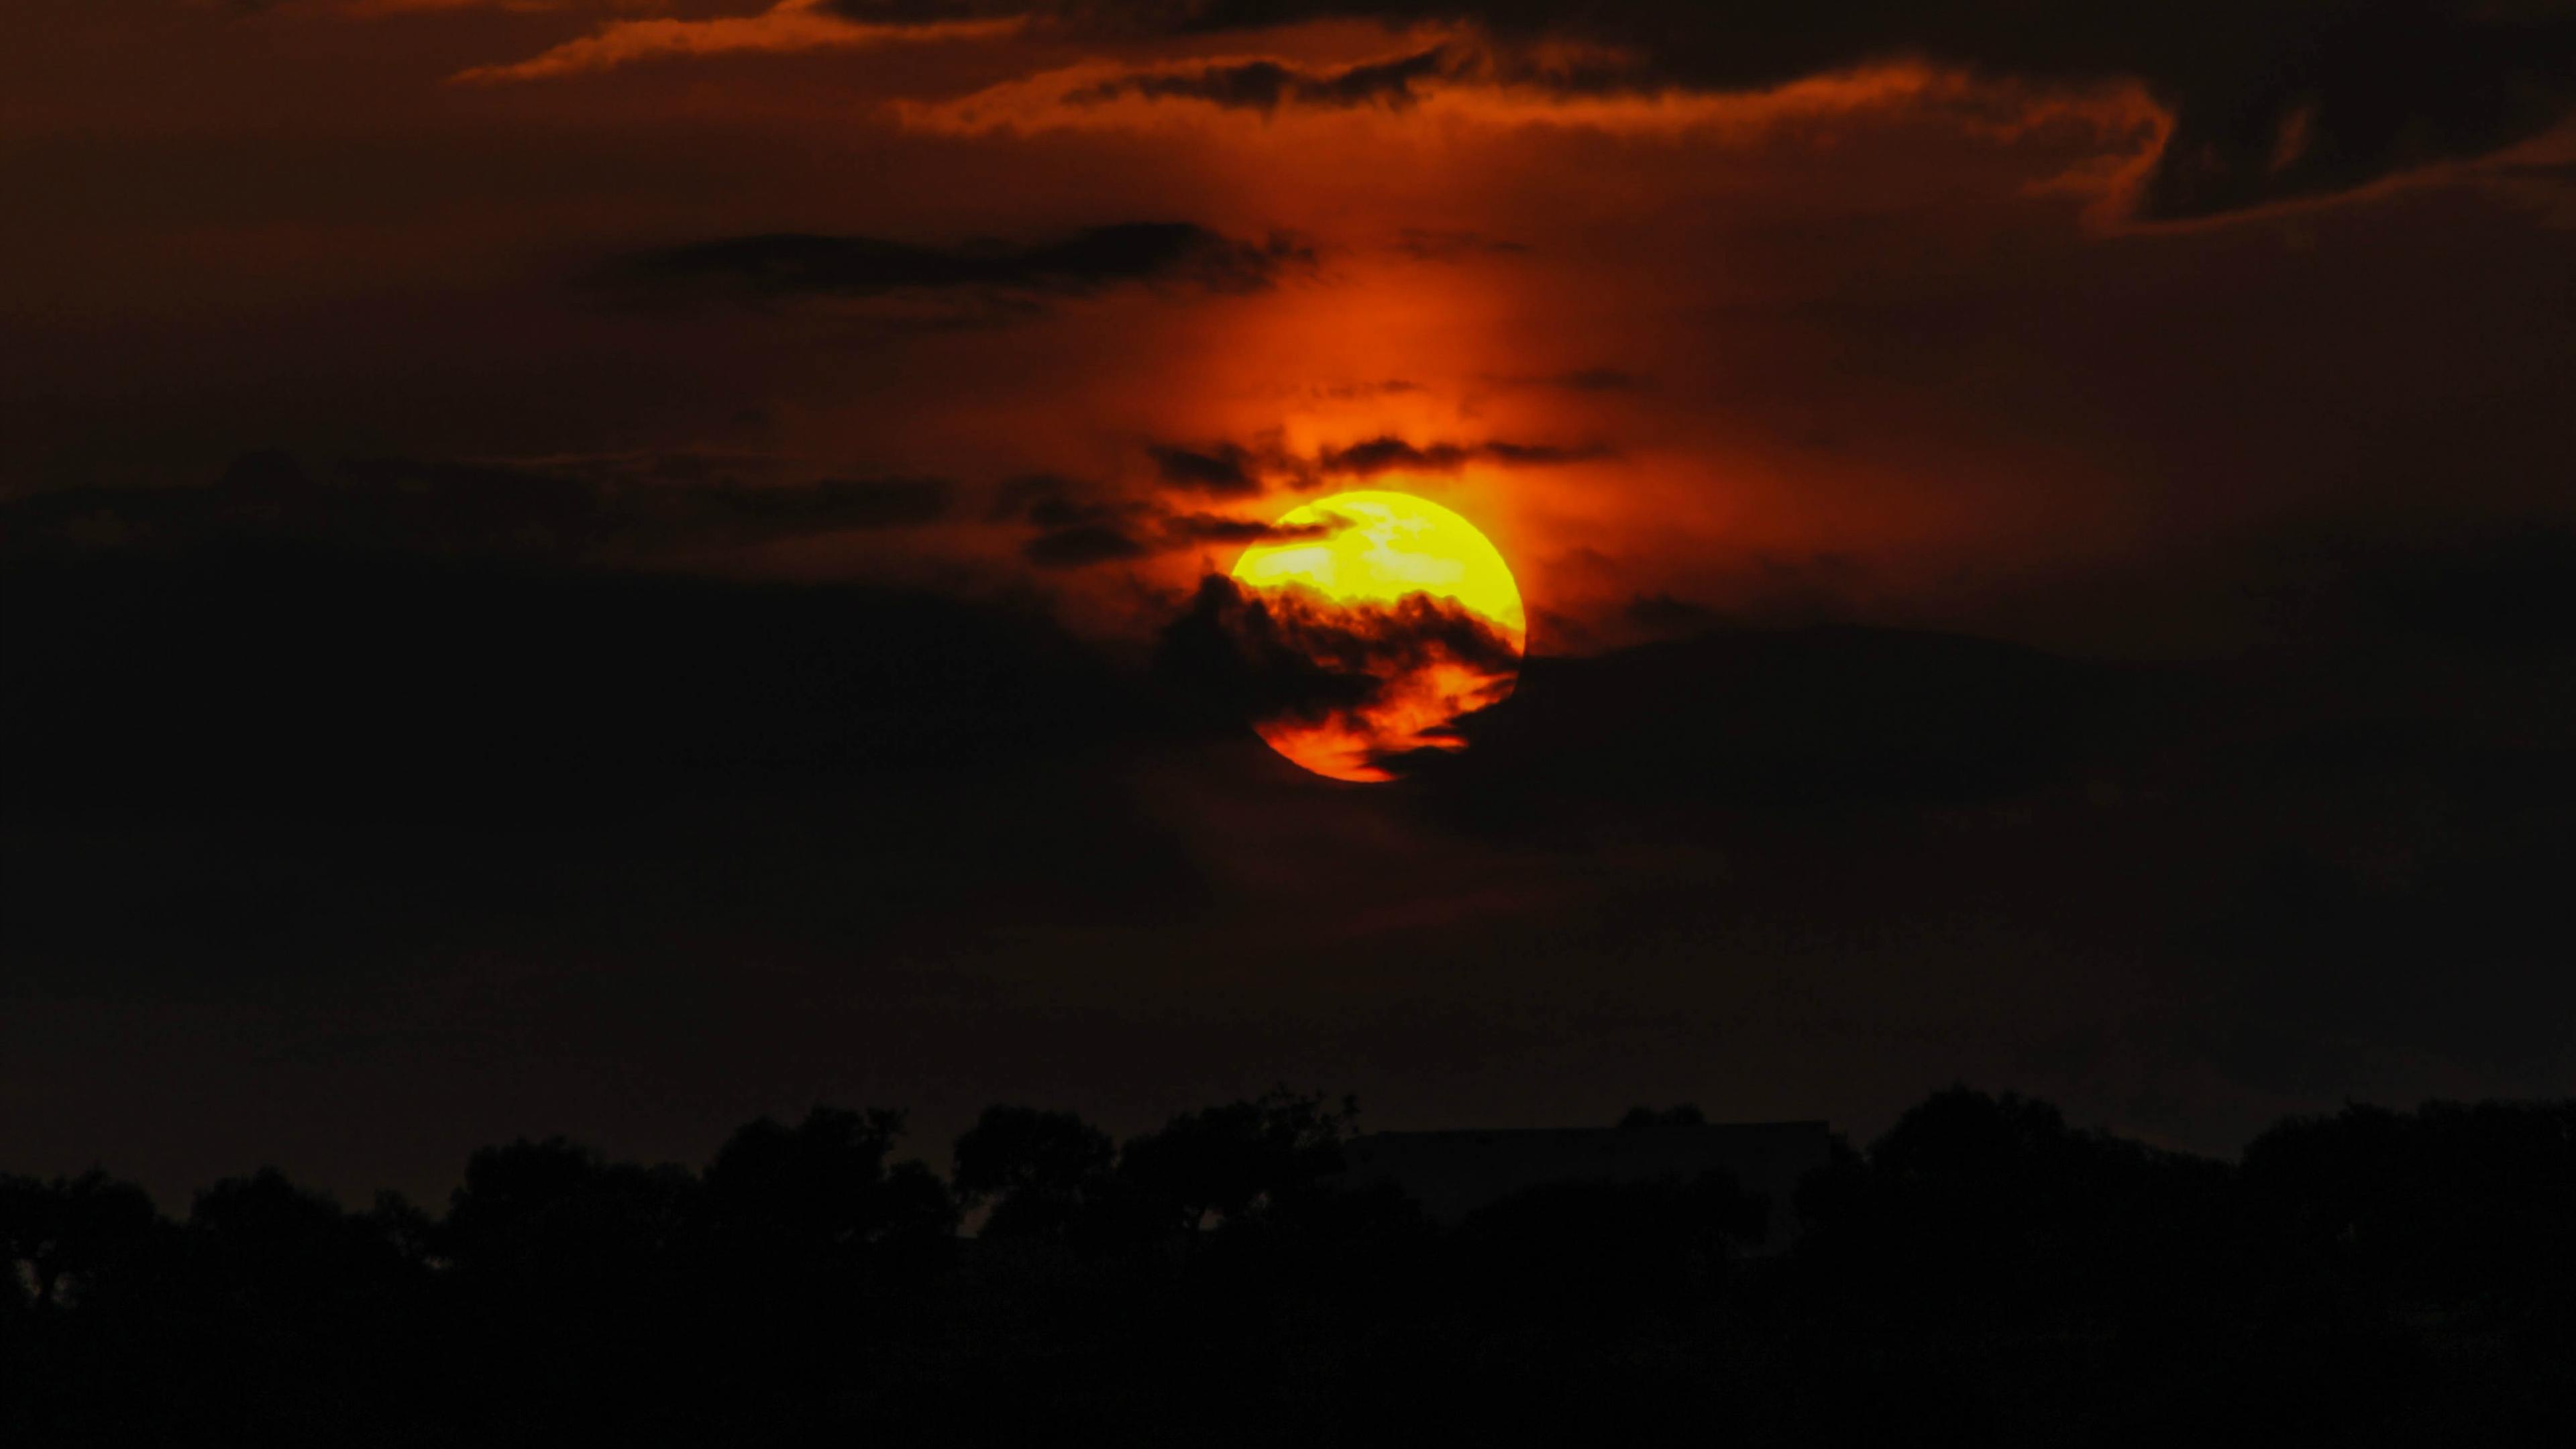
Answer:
x=1255 y=1272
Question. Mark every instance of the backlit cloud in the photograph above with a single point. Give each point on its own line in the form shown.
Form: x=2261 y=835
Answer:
x=2262 y=101
x=1370 y=683
x=1266 y=85
x=1393 y=455
x=789 y=25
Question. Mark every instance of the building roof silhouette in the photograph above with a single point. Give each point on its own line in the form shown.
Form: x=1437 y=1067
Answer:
x=1453 y=1173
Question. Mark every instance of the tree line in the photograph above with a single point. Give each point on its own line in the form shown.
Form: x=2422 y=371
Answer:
x=1981 y=1273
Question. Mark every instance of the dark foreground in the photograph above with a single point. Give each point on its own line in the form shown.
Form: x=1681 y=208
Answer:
x=1983 y=1275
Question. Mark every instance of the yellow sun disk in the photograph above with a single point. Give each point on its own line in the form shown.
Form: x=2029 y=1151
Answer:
x=1379 y=548
x=1384 y=546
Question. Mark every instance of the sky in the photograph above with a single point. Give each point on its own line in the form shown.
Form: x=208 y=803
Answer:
x=607 y=566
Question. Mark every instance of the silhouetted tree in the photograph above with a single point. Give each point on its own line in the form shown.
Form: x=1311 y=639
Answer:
x=1040 y=1171
x=295 y=1255
x=555 y=1212
x=69 y=1238
x=323 y=1313
x=1990 y=1208
x=2462 y=1206
x=809 y=1252
x=568 y=1279
x=1984 y=1273
x=821 y=1194
x=95 y=1280
x=1244 y=1162
x=410 y=1232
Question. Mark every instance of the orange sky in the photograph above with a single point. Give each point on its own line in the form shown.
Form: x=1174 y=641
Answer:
x=1887 y=338
x=406 y=406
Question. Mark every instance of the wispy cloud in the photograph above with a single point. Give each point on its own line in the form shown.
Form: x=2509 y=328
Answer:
x=1266 y=85
x=783 y=266
x=790 y=25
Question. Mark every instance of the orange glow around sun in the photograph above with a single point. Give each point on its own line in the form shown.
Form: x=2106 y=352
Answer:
x=1405 y=599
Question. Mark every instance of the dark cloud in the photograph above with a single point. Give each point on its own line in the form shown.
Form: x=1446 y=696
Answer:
x=1383 y=454
x=1228 y=469
x=344 y=793
x=1389 y=454
x=627 y=506
x=2342 y=860
x=1077 y=527
x=311 y=680
x=1014 y=496
x=2271 y=99
x=1266 y=85
x=1082 y=13
x=1352 y=391
x=1292 y=655
x=1224 y=469
x=926 y=12
x=1053 y=500
x=1082 y=545
x=1212 y=528
x=311 y=786
x=1066 y=510
x=832 y=504
x=1829 y=716
x=787 y=265
x=1664 y=614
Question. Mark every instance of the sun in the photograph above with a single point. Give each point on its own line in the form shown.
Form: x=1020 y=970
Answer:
x=1406 y=605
